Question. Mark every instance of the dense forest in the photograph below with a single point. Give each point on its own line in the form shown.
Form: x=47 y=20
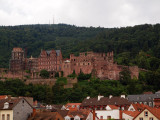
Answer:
x=138 y=45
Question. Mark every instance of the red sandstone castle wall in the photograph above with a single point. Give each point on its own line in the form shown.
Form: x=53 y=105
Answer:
x=100 y=64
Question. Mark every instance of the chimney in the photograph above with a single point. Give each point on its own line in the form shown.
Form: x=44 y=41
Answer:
x=99 y=97
x=6 y=105
x=94 y=115
x=34 y=112
x=123 y=96
x=88 y=97
x=120 y=114
x=110 y=96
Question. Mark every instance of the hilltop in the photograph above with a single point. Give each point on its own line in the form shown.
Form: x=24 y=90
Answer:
x=138 y=45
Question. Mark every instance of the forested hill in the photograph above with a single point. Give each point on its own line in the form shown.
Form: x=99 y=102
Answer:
x=138 y=45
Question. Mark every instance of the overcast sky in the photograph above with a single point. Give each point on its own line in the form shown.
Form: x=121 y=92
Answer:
x=104 y=13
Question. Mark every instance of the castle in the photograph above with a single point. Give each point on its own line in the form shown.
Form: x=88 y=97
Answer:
x=100 y=64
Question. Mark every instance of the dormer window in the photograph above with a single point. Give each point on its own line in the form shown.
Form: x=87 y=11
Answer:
x=73 y=106
x=6 y=105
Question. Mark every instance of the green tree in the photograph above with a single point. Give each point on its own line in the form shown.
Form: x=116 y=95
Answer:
x=125 y=76
x=44 y=73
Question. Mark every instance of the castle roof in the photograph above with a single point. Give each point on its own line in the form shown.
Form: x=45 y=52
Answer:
x=58 y=52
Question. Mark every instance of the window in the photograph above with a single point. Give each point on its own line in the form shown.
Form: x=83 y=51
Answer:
x=8 y=116
x=3 y=117
x=146 y=113
x=150 y=103
x=151 y=118
x=140 y=118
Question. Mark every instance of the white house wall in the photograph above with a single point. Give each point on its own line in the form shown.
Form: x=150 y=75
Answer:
x=113 y=113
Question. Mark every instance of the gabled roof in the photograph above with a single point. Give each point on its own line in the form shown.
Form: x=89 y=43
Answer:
x=131 y=113
x=48 y=51
x=63 y=113
x=12 y=103
x=58 y=52
x=138 y=107
x=154 y=111
x=81 y=113
x=44 y=116
x=3 y=97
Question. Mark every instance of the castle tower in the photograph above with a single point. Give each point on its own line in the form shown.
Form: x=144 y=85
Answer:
x=17 y=62
x=17 y=54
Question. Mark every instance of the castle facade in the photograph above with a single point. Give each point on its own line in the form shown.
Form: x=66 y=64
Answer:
x=99 y=64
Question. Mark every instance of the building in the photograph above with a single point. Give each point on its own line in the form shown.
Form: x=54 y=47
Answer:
x=80 y=115
x=100 y=65
x=147 y=98
x=148 y=114
x=17 y=61
x=15 y=109
x=106 y=107
x=110 y=112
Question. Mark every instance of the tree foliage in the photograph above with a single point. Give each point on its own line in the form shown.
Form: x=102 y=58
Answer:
x=44 y=73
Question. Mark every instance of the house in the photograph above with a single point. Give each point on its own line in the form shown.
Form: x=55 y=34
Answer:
x=148 y=114
x=80 y=115
x=146 y=98
x=106 y=107
x=15 y=109
x=110 y=112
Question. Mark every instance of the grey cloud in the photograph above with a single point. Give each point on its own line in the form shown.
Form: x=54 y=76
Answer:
x=104 y=13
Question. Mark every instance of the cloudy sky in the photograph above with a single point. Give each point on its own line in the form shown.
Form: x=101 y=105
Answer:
x=104 y=13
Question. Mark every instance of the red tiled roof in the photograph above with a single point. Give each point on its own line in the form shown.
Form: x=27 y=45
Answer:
x=154 y=111
x=131 y=113
x=83 y=113
x=3 y=97
x=44 y=116
x=138 y=106
x=70 y=106
x=113 y=107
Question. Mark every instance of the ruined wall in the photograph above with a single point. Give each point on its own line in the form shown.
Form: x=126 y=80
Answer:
x=100 y=64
